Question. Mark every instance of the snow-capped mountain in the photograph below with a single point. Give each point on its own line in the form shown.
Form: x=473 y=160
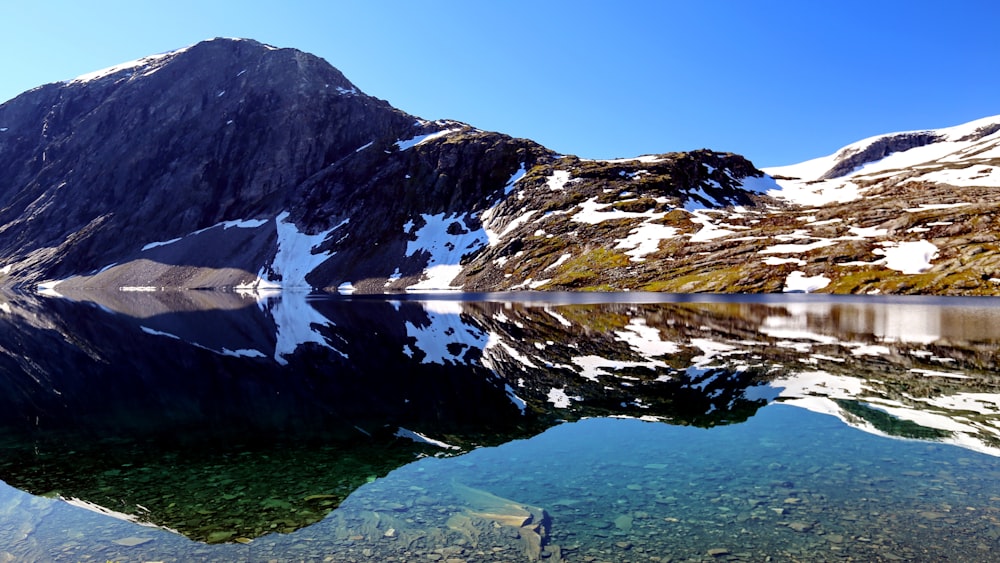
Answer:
x=234 y=164
x=961 y=156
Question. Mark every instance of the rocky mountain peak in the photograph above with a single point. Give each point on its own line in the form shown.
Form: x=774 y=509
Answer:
x=171 y=144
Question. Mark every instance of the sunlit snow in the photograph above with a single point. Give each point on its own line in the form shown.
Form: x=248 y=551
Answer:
x=909 y=257
x=797 y=248
x=643 y=158
x=593 y=213
x=798 y=282
x=421 y=139
x=558 y=398
x=145 y=61
x=559 y=262
x=557 y=181
x=645 y=239
x=515 y=178
x=709 y=230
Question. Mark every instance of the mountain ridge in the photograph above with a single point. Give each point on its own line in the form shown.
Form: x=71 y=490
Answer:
x=232 y=164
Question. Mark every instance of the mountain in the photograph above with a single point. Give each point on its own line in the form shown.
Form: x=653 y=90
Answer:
x=961 y=156
x=231 y=163
x=917 y=207
x=234 y=164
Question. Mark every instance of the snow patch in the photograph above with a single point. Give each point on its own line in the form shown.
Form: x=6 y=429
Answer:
x=557 y=181
x=759 y=184
x=295 y=258
x=709 y=230
x=592 y=213
x=972 y=176
x=514 y=398
x=643 y=158
x=909 y=257
x=243 y=353
x=143 y=62
x=934 y=206
x=515 y=178
x=798 y=282
x=592 y=367
x=445 y=249
x=48 y=288
x=797 y=248
x=237 y=223
x=645 y=239
x=645 y=339
x=868 y=232
x=154 y=332
x=421 y=139
x=156 y=244
x=444 y=338
x=559 y=398
x=559 y=262
x=420 y=438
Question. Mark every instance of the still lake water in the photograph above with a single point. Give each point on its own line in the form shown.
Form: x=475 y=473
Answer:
x=204 y=426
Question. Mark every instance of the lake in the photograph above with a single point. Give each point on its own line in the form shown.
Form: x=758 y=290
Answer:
x=213 y=426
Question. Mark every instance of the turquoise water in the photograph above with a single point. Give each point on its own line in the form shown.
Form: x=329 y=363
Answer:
x=203 y=427
x=788 y=484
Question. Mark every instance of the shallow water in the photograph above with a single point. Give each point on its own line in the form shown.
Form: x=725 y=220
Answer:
x=217 y=428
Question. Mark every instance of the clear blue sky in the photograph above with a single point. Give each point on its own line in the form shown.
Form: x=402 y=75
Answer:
x=777 y=81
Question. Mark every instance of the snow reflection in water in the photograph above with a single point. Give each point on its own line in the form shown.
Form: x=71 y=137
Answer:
x=787 y=482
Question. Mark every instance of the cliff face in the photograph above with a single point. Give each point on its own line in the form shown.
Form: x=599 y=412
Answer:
x=233 y=164
x=99 y=166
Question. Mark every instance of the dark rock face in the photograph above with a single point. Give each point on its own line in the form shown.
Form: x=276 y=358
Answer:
x=224 y=129
x=878 y=150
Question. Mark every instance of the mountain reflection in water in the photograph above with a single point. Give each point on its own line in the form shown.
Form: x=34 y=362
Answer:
x=227 y=417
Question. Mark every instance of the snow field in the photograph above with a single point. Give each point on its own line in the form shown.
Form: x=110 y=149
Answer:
x=445 y=250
